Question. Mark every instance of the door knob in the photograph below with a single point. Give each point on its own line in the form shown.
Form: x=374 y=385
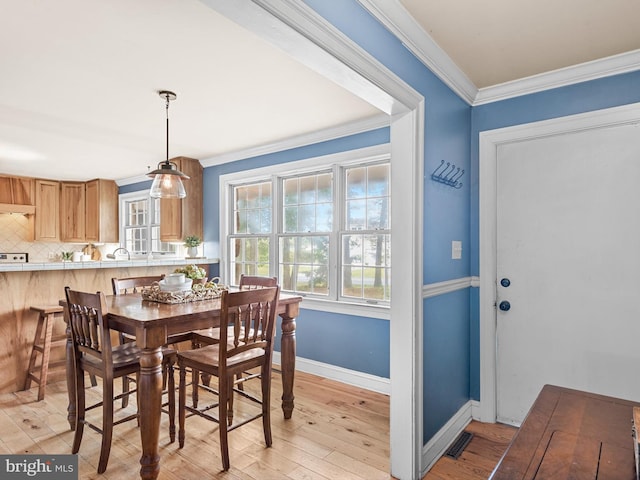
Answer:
x=504 y=306
x=505 y=282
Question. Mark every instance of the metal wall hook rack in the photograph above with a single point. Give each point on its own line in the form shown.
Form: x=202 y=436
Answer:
x=448 y=174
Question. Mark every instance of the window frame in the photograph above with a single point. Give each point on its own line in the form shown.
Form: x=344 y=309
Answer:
x=335 y=162
x=123 y=199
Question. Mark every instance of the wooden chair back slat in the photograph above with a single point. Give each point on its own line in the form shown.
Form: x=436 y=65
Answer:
x=247 y=320
x=253 y=282
x=90 y=331
x=125 y=286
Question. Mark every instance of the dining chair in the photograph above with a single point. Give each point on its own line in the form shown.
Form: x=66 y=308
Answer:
x=210 y=336
x=94 y=354
x=132 y=285
x=247 y=321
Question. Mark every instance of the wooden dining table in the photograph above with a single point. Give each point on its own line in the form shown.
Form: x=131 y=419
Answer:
x=151 y=323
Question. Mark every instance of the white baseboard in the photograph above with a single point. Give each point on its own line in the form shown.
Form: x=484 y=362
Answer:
x=339 y=374
x=436 y=447
x=475 y=410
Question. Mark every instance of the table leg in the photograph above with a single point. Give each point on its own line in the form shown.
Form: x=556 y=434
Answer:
x=288 y=361
x=150 y=393
x=71 y=376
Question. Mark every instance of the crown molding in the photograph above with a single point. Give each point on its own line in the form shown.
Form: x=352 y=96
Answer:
x=353 y=128
x=605 y=67
x=401 y=23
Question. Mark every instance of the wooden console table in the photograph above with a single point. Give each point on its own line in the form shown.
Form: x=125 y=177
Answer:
x=569 y=434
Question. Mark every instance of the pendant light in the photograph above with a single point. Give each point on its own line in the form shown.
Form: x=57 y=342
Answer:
x=167 y=179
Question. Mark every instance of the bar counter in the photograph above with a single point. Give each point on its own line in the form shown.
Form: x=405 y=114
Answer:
x=24 y=285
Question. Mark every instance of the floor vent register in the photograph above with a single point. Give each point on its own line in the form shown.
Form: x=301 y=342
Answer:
x=458 y=446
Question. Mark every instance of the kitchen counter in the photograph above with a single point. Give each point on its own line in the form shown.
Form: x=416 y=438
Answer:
x=26 y=284
x=143 y=262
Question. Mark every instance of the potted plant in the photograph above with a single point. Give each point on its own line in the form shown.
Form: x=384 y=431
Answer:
x=194 y=272
x=192 y=242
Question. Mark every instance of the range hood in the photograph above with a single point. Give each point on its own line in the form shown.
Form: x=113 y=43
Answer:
x=21 y=209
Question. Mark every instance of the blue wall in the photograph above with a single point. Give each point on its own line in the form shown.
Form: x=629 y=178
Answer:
x=446 y=210
x=579 y=98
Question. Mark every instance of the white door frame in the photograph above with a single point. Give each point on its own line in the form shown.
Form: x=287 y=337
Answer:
x=329 y=52
x=488 y=158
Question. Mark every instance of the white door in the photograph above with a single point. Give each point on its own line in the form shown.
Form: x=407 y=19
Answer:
x=568 y=241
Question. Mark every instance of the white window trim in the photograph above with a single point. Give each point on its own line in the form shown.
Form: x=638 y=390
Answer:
x=310 y=165
x=124 y=198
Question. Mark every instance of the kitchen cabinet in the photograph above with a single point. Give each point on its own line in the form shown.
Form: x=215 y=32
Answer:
x=72 y=212
x=180 y=217
x=101 y=211
x=47 y=217
x=89 y=211
x=17 y=190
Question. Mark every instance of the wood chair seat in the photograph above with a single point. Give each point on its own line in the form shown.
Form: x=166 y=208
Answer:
x=93 y=353
x=211 y=336
x=207 y=358
x=241 y=312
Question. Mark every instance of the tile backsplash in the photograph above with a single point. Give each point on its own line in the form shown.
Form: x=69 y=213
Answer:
x=14 y=234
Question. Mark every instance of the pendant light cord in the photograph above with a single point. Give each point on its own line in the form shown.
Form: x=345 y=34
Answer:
x=167 y=109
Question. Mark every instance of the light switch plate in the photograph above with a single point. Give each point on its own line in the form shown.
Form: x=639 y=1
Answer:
x=456 y=250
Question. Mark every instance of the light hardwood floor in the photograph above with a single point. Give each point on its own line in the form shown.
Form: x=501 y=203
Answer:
x=337 y=432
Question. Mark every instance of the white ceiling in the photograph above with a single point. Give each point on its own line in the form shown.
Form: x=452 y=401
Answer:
x=79 y=77
x=79 y=82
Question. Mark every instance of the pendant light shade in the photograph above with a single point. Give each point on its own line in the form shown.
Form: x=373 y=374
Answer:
x=167 y=179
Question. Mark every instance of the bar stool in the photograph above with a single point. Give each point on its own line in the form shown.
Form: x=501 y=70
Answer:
x=42 y=343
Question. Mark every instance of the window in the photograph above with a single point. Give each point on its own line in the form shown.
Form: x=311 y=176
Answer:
x=324 y=230
x=140 y=224
x=365 y=238
x=249 y=250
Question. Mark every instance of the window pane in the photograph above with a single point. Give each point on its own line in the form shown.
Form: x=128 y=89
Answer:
x=136 y=213
x=249 y=255
x=378 y=213
x=241 y=221
x=304 y=264
x=325 y=188
x=252 y=208
x=324 y=217
x=141 y=226
x=290 y=219
x=356 y=182
x=307 y=190
x=368 y=208
x=290 y=191
x=304 y=251
x=308 y=203
x=155 y=206
x=366 y=273
x=378 y=180
x=356 y=212
x=306 y=218
x=253 y=221
x=253 y=196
